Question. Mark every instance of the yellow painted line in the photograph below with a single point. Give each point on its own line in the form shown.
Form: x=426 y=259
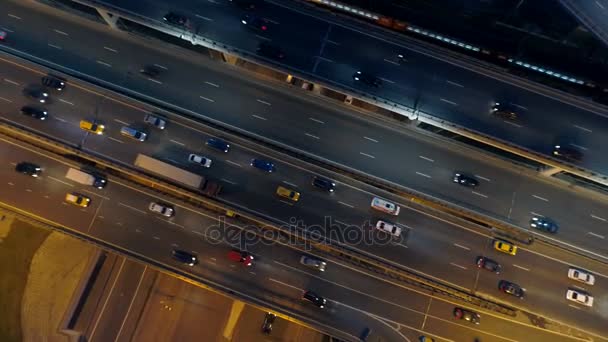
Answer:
x=235 y=313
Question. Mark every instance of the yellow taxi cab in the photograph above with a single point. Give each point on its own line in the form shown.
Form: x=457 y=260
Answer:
x=77 y=199
x=287 y=193
x=91 y=126
x=505 y=247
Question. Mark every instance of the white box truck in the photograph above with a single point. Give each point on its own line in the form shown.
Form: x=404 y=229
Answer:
x=86 y=178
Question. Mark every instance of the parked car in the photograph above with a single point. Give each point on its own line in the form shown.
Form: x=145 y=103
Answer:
x=35 y=112
x=323 y=183
x=29 y=169
x=544 y=224
x=313 y=262
x=581 y=275
x=314 y=298
x=511 y=288
x=162 y=209
x=579 y=297
x=184 y=257
x=488 y=264
x=218 y=144
x=200 y=160
x=467 y=315
x=155 y=121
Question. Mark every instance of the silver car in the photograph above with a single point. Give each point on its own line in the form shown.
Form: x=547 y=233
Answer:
x=161 y=209
x=200 y=160
x=155 y=121
x=313 y=262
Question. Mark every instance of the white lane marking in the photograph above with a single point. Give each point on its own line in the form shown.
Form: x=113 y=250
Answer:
x=212 y=84
x=14 y=16
x=177 y=142
x=60 y=119
x=66 y=102
x=423 y=175
x=596 y=235
x=110 y=49
x=519 y=106
x=10 y=81
x=479 y=194
x=156 y=238
x=574 y=306
x=202 y=17
x=386 y=80
x=7 y=30
x=28 y=190
x=262 y=37
x=285 y=284
x=598 y=218
x=367 y=155
x=599 y=4
x=104 y=63
x=5 y=99
x=55 y=46
x=370 y=139
x=392 y=62
x=536 y=214
x=583 y=128
x=288 y=203
x=59 y=180
x=155 y=81
x=121 y=122
x=456 y=265
x=325 y=59
x=463 y=247
x=521 y=267
x=259 y=117
x=312 y=136
x=61 y=32
x=512 y=124
x=332 y=42
x=346 y=205
x=206 y=98
x=343 y=223
x=484 y=178
x=263 y=102
x=540 y=198
x=120 y=141
x=448 y=101
x=233 y=163
x=291 y=184
x=454 y=84
x=132 y=208
x=267 y=19
x=161 y=66
x=426 y=158
x=579 y=146
x=317 y=121
x=228 y=181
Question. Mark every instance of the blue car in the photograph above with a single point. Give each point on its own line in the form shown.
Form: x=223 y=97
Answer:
x=218 y=144
x=544 y=224
x=263 y=165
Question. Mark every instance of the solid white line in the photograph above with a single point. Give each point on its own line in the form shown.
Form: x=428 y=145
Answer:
x=228 y=181
x=263 y=102
x=5 y=99
x=141 y=278
x=233 y=163
x=10 y=81
x=177 y=142
x=448 y=101
x=155 y=81
x=206 y=98
x=204 y=18
x=120 y=141
x=59 y=119
x=370 y=139
x=291 y=184
x=462 y=267
x=288 y=203
x=484 y=178
x=598 y=218
x=59 y=180
x=66 y=102
x=426 y=158
x=130 y=207
x=463 y=247
x=212 y=84
x=596 y=235
x=110 y=49
x=574 y=306
x=512 y=123
x=14 y=16
x=161 y=66
x=312 y=136
x=392 y=62
x=55 y=46
x=346 y=204
x=386 y=80
x=109 y=295
x=583 y=128
x=285 y=284
x=104 y=63
x=423 y=175
x=259 y=117
x=317 y=121
x=540 y=198
x=455 y=84
x=61 y=32
x=367 y=155
x=521 y=267
x=479 y=194
x=121 y=122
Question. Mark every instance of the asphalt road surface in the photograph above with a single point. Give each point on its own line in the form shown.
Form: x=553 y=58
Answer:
x=592 y=14
x=448 y=89
x=344 y=215
x=305 y=122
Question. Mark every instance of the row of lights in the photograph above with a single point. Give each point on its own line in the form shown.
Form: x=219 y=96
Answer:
x=545 y=71
x=345 y=8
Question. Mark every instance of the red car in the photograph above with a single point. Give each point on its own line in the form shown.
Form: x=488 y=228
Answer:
x=3 y=35
x=241 y=256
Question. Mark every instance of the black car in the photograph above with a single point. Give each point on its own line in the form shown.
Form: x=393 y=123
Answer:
x=544 y=224
x=184 y=257
x=268 y=321
x=268 y=50
x=504 y=112
x=467 y=315
x=367 y=79
x=254 y=22
x=53 y=82
x=511 y=288
x=37 y=94
x=218 y=144
x=263 y=165
x=177 y=20
x=245 y=4
x=29 y=169
x=488 y=264
x=151 y=71
x=567 y=153
x=465 y=180
x=36 y=113
x=324 y=183
x=315 y=299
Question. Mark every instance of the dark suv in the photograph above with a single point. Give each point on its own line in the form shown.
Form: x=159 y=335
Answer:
x=367 y=79
x=511 y=288
x=544 y=224
x=315 y=299
x=465 y=180
x=53 y=82
x=218 y=144
x=268 y=50
x=567 y=153
x=467 y=315
x=268 y=322
x=29 y=169
x=488 y=264
x=177 y=20
x=324 y=184
x=263 y=165
x=504 y=112
x=37 y=94
x=36 y=113
x=184 y=257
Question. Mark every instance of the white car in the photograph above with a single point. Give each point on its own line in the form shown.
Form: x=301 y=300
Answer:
x=579 y=297
x=385 y=206
x=202 y=161
x=388 y=228
x=582 y=276
x=162 y=209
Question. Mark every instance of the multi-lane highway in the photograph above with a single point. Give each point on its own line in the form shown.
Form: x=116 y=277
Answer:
x=429 y=245
x=431 y=81
x=305 y=122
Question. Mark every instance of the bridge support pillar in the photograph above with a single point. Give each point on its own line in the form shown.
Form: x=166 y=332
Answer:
x=109 y=18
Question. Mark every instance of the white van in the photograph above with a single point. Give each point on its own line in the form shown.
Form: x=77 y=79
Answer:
x=385 y=206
